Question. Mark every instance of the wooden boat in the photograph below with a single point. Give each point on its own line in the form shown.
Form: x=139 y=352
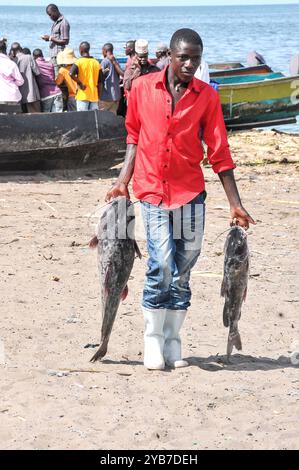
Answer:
x=225 y=65
x=231 y=79
x=91 y=139
x=260 y=103
x=257 y=70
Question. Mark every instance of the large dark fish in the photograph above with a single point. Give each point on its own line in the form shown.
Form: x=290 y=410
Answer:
x=234 y=284
x=116 y=253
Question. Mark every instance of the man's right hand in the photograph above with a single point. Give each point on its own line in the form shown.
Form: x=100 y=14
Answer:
x=119 y=189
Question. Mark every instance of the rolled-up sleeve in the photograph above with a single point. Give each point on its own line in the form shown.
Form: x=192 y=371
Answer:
x=132 y=120
x=215 y=137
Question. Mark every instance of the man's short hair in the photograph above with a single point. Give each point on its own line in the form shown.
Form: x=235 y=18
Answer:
x=185 y=35
x=131 y=42
x=52 y=7
x=37 y=53
x=85 y=45
x=108 y=46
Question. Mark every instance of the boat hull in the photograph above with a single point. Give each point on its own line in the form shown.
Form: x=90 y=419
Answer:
x=260 y=103
x=256 y=70
x=31 y=142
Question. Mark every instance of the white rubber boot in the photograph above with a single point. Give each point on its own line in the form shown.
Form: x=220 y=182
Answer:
x=172 y=347
x=154 y=338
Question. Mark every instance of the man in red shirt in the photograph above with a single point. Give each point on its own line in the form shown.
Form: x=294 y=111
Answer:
x=168 y=115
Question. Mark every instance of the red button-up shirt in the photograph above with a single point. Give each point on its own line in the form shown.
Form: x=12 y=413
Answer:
x=169 y=146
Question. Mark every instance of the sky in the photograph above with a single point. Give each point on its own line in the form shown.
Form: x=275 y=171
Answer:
x=144 y=3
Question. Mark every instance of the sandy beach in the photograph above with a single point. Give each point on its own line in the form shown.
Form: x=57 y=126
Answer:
x=52 y=397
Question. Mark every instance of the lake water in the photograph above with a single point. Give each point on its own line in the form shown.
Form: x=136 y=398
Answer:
x=228 y=32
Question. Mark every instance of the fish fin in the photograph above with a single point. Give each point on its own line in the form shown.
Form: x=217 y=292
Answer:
x=226 y=315
x=125 y=292
x=93 y=242
x=138 y=252
x=223 y=288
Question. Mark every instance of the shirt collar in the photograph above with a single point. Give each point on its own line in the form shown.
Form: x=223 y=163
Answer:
x=160 y=81
x=59 y=19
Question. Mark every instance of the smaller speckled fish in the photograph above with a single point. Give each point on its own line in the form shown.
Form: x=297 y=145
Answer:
x=234 y=284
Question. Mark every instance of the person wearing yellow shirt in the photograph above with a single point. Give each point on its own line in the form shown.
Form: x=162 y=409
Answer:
x=86 y=72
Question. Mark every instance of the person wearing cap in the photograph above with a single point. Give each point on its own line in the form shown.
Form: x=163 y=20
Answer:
x=169 y=114
x=51 y=96
x=129 y=48
x=162 y=56
x=10 y=78
x=140 y=65
x=112 y=72
x=65 y=60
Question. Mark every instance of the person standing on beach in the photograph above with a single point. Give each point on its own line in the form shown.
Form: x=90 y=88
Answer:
x=130 y=51
x=60 y=33
x=86 y=73
x=112 y=72
x=65 y=60
x=167 y=114
x=51 y=96
x=29 y=71
x=10 y=78
x=140 y=65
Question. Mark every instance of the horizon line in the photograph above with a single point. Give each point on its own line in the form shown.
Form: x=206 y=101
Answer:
x=157 y=6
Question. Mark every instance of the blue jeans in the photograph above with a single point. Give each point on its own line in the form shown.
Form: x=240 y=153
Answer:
x=174 y=239
x=87 y=105
x=52 y=105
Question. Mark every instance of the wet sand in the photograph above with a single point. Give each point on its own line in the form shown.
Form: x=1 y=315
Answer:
x=53 y=398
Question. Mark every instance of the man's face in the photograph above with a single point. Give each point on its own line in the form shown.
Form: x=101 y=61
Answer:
x=54 y=15
x=104 y=52
x=129 y=48
x=185 y=60
x=142 y=59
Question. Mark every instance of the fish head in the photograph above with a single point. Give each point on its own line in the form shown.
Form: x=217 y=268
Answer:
x=118 y=220
x=236 y=242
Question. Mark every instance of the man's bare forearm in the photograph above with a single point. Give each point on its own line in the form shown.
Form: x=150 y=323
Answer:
x=227 y=179
x=239 y=214
x=128 y=166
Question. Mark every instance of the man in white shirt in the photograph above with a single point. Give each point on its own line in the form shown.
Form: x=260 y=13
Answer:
x=10 y=78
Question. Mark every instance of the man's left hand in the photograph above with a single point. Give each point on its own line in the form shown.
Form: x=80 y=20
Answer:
x=46 y=37
x=240 y=216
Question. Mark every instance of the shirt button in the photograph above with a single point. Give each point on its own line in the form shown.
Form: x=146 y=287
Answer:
x=164 y=182
x=167 y=150
x=168 y=117
x=165 y=166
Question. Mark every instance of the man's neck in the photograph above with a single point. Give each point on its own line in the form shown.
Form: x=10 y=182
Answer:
x=174 y=81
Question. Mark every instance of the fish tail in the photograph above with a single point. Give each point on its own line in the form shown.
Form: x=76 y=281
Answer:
x=101 y=352
x=234 y=340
